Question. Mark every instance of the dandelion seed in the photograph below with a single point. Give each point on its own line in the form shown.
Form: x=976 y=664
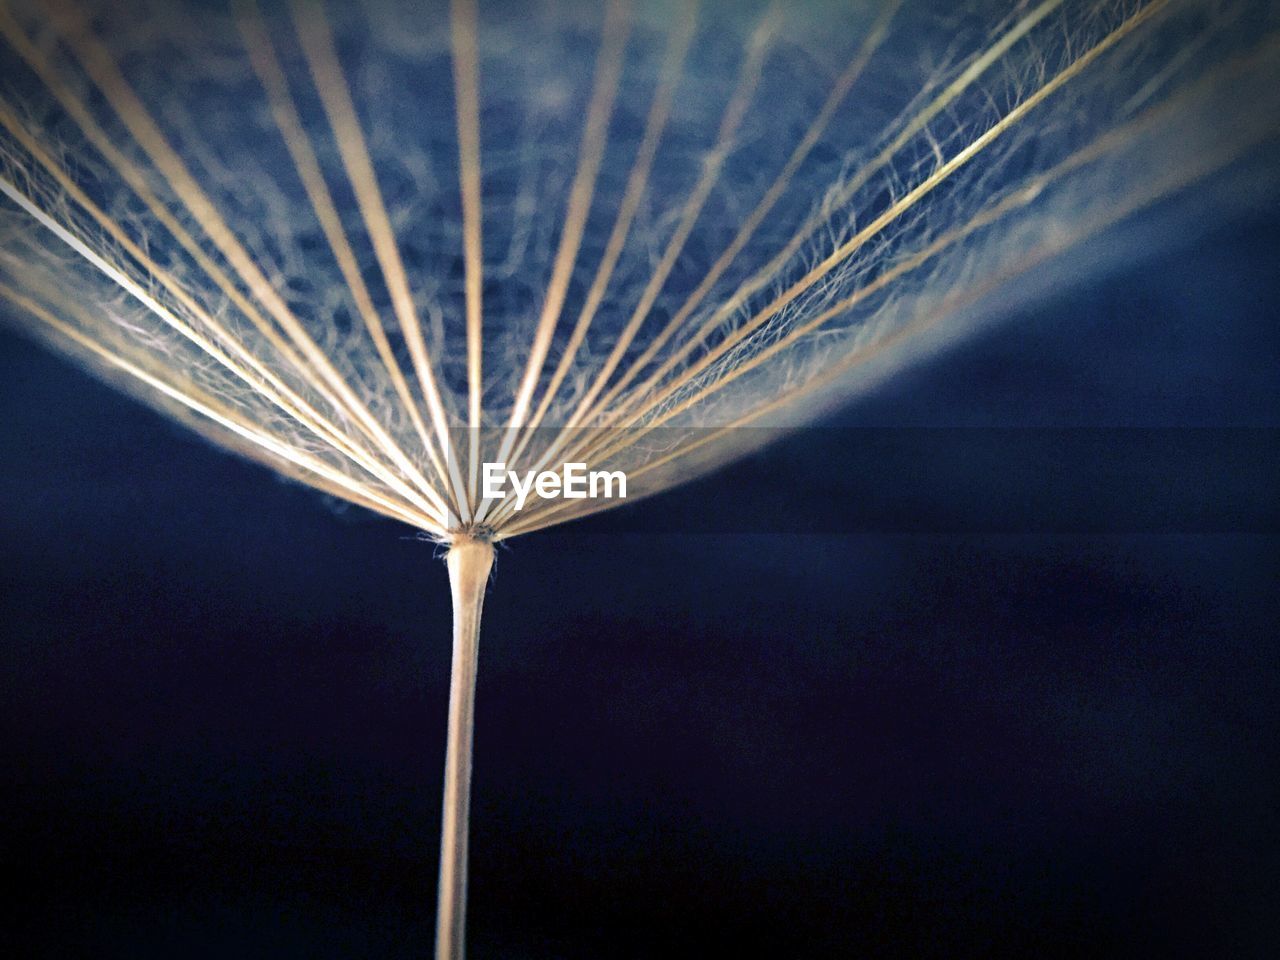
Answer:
x=379 y=249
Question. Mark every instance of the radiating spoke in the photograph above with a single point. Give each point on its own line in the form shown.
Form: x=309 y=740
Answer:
x=757 y=49
x=713 y=163
x=262 y=55
x=590 y=153
x=637 y=181
x=466 y=89
x=317 y=43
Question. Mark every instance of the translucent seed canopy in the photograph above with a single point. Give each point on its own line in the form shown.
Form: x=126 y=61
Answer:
x=377 y=245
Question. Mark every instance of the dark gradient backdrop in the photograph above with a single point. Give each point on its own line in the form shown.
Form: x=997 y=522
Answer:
x=222 y=703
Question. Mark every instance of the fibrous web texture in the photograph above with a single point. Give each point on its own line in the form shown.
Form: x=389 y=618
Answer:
x=375 y=245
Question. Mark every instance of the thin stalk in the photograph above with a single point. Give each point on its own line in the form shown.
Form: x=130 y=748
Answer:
x=469 y=563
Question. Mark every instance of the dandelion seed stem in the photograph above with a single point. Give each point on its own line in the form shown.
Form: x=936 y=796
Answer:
x=469 y=563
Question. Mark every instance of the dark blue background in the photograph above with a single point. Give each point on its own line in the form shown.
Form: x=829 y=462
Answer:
x=222 y=704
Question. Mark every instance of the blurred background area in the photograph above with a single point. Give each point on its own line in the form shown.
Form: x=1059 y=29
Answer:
x=222 y=704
